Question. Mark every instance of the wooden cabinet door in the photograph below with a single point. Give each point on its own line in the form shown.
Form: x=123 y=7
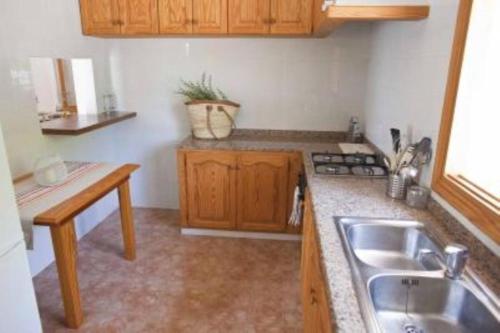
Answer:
x=139 y=17
x=176 y=16
x=262 y=191
x=211 y=190
x=315 y=303
x=249 y=16
x=290 y=17
x=210 y=16
x=100 y=17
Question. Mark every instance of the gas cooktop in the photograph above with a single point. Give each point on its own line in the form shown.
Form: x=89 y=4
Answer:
x=360 y=165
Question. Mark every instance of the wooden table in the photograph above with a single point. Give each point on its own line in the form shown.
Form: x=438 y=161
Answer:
x=60 y=219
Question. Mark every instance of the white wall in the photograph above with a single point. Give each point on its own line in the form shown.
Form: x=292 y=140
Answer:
x=281 y=83
x=312 y=84
x=407 y=81
x=42 y=28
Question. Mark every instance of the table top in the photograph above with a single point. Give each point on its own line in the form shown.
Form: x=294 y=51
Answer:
x=51 y=206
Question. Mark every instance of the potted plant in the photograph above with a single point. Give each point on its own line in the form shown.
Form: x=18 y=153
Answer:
x=210 y=112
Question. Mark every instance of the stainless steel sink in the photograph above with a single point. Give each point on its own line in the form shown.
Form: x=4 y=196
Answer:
x=394 y=246
x=424 y=304
x=399 y=275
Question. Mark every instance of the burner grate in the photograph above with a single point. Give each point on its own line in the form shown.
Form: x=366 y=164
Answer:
x=359 y=165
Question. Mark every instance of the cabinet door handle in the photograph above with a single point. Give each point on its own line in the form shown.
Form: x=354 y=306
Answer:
x=194 y=21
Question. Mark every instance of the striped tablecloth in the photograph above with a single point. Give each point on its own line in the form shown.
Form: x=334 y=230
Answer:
x=33 y=199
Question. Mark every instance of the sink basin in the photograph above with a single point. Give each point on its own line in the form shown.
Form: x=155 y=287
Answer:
x=393 y=247
x=399 y=275
x=423 y=304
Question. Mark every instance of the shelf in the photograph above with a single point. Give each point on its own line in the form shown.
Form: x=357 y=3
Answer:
x=334 y=16
x=79 y=124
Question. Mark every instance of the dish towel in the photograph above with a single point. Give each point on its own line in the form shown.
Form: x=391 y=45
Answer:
x=297 y=208
x=34 y=199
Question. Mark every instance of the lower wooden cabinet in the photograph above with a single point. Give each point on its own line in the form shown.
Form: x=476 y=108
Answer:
x=211 y=190
x=262 y=191
x=249 y=191
x=317 y=318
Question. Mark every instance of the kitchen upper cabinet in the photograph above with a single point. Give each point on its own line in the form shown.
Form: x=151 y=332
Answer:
x=139 y=17
x=211 y=189
x=119 y=17
x=249 y=16
x=176 y=16
x=209 y=16
x=262 y=191
x=198 y=17
x=289 y=17
x=100 y=17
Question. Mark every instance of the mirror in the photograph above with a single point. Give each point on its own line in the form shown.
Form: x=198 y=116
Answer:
x=63 y=87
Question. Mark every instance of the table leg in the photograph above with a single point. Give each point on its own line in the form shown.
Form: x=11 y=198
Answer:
x=64 y=243
x=127 y=220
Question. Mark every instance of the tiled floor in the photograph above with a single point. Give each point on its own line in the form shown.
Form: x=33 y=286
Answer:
x=178 y=283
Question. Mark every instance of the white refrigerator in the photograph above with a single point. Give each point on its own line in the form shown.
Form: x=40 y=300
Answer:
x=18 y=308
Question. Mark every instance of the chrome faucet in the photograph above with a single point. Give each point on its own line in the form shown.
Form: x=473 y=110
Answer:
x=456 y=259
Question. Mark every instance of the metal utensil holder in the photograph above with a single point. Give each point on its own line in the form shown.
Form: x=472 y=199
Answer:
x=397 y=186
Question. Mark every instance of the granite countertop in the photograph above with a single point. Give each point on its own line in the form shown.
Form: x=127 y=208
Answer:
x=354 y=197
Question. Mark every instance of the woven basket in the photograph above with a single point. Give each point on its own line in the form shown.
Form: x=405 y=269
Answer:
x=212 y=119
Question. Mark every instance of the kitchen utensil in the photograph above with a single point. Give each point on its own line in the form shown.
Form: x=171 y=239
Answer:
x=396 y=140
x=409 y=171
x=417 y=197
x=397 y=186
x=388 y=164
x=406 y=157
x=422 y=152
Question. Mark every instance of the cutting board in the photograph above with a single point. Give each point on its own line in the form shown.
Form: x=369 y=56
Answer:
x=356 y=148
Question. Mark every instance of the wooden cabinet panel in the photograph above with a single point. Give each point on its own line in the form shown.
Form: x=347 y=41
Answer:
x=139 y=16
x=249 y=16
x=100 y=17
x=211 y=192
x=176 y=16
x=316 y=306
x=209 y=16
x=291 y=17
x=262 y=191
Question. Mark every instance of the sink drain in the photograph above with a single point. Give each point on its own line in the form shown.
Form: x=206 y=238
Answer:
x=410 y=328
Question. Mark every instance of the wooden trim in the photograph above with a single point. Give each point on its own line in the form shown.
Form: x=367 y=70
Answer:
x=485 y=195
x=466 y=201
x=71 y=207
x=181 y=176
x=80 y=124
x=327 y=21
x=378 y=13
x=62 y=87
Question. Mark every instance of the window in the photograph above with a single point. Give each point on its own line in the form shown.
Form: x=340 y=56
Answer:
x=63 y=87
x=467 y=171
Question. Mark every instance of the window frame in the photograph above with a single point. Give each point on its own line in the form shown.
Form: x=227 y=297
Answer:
x=466 y=198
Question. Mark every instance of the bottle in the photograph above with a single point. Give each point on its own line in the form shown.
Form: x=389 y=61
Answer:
x=354 y=134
